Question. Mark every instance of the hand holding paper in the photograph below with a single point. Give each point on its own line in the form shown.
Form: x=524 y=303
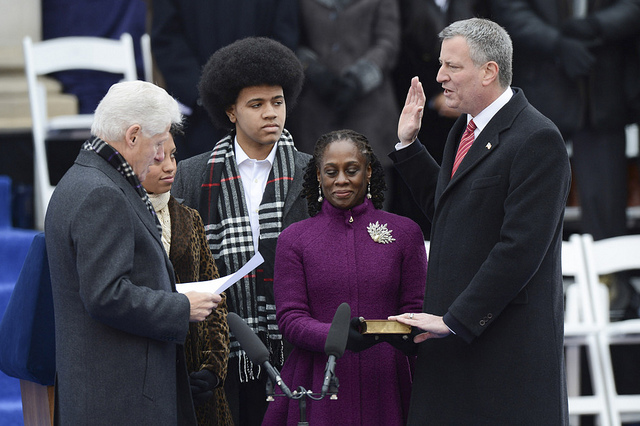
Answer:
x=202 y=304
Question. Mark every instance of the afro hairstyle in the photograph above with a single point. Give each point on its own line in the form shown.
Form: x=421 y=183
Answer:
x=249 y=62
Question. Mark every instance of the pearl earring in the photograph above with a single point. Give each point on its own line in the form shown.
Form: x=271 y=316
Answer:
x=369 y=190
x=319 y=193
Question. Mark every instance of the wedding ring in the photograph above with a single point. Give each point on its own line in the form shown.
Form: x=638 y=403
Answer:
x=411 y=315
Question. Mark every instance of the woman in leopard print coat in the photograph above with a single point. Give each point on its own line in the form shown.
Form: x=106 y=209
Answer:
x=207 y=344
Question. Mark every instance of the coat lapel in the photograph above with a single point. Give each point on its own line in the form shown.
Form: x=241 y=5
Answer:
x=487 y=142
x=481 y=148
x=93 y=160
x=145 y=217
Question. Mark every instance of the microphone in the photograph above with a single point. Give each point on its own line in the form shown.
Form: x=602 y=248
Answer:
x=336 y=342
x=255 y=349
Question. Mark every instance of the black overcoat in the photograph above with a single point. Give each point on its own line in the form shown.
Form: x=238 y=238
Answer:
x=494 y=273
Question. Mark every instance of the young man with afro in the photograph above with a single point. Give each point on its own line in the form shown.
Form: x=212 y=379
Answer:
x=247 y=190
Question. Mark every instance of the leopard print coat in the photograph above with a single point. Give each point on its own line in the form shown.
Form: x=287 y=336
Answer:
x=207 y=344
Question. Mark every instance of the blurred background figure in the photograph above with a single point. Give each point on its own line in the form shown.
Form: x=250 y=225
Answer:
x=185 y=33
x=348 y=49
x=422 y=21
x=571 y=58
x=183 y=237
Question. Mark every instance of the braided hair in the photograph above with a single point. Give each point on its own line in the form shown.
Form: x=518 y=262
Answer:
x=311 y=184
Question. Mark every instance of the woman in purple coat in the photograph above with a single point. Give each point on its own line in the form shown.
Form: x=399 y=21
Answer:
x=348 y=251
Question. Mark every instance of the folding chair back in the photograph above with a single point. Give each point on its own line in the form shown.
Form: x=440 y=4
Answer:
x=581 y=330
x=607 y=256
x=60 y=54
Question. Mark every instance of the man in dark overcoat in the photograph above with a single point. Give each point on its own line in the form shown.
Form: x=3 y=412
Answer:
x=491 y=336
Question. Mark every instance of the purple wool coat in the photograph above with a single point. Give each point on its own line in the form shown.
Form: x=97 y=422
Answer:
x=322 y=262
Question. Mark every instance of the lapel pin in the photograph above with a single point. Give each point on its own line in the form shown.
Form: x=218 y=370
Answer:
x=488 y=146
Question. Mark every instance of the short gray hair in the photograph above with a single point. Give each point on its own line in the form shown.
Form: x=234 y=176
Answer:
x=135 y=102
x=487 y=41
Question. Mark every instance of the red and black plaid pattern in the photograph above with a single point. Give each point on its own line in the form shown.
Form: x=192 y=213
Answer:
x=228 y=229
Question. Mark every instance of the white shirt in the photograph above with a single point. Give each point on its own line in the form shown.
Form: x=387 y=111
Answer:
x=485 y=116
x=254 y=174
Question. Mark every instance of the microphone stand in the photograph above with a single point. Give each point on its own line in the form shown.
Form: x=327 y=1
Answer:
x=302 y=403
x=270 y=390
x=301 y=394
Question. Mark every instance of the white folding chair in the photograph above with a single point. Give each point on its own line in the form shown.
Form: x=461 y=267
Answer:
x=147 y=57
x=581 y=330
x=603 y=257
x=66 y=53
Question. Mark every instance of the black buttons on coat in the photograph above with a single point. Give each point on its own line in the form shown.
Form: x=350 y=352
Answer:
x=486 y=319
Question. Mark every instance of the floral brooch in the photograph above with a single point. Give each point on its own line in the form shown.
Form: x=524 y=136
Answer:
x=379 y=233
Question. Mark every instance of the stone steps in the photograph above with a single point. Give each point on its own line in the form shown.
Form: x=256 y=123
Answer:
x=14 y=95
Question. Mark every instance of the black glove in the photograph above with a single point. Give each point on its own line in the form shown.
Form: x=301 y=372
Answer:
x=202 y=384
x=348 y=92
x=402 y=342
x=574 y=57
x=357 y=341
x=325 y=82
x=582 y=28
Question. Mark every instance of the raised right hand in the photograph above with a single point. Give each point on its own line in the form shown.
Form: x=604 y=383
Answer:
x=411 y=116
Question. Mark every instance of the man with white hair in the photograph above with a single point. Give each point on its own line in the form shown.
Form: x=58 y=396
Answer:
x=119 y=322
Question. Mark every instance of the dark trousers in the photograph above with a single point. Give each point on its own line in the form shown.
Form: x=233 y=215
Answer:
x=600 y=168
x=247 y=401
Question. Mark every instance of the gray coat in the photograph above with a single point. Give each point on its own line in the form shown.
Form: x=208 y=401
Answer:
x=494 y=274
x=119 y=324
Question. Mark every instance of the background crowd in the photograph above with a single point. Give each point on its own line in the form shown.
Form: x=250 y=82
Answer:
x=578 y=60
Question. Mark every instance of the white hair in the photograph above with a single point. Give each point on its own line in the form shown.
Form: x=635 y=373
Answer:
x=135 y=102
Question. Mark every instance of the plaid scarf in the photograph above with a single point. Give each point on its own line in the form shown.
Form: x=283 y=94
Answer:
x=115 y=159
x=226 y=218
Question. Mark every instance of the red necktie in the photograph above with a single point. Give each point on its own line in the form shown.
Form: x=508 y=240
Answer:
x=465 y=144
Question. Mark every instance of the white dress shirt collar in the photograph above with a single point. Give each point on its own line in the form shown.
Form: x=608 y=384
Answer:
x=254 y=174
x=242 y=156
x=483 y=118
